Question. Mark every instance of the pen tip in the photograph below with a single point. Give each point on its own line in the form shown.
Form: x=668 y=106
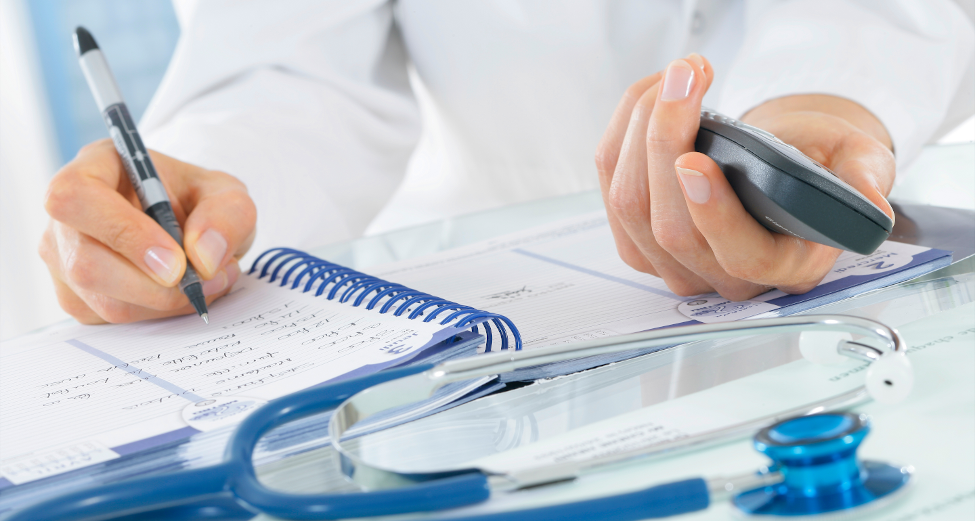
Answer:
x=205 y=318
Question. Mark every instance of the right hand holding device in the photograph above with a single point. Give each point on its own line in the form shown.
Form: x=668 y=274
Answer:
x=112 y=263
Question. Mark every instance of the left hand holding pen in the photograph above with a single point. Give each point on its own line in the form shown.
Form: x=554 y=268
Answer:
x=673 y=213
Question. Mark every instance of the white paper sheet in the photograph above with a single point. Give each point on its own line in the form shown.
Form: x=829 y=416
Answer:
x=565 y=282
x=72 y=395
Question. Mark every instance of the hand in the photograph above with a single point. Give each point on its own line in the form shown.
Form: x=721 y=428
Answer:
x=112 y=263
x=673 y=213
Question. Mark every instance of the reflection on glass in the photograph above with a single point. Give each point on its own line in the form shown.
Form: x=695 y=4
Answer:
x=680 y=392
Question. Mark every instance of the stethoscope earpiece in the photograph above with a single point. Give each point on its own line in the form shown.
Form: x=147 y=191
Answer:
x=890 y=376
x=890 y=379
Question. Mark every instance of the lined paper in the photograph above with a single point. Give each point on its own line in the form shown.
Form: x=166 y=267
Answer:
x=93 y=388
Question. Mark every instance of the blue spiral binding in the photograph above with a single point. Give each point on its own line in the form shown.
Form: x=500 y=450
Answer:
x=347 y=284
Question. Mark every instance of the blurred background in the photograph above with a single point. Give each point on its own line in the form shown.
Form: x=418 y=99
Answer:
x=47 y=114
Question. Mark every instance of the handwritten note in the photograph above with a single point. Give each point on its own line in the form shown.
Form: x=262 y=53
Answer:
x=113 y=386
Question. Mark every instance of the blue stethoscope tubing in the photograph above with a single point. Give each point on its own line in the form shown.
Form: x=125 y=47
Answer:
x=231 y=490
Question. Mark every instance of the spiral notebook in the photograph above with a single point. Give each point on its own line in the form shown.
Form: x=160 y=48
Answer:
x=85 y=395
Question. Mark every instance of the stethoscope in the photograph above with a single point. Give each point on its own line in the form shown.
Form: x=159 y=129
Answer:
x=814 y=466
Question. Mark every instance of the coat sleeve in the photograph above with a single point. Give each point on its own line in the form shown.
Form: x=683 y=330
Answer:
x=306 y=101
x=909 y=62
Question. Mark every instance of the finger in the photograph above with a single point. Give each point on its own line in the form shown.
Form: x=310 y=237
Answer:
x=608 y=151
x=91 y=268
x=629 y=199
x=858 y=158
x=73 y=305
x=866 y=165
x=607 y=157
x=84 y=195
x=220 y=227
x=672 y=131
x=69 y=301
x=118 y=312
x=90 y=307
x=742 y=247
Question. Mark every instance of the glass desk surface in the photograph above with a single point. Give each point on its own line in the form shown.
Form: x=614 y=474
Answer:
x=549 y=411
x=539 y=418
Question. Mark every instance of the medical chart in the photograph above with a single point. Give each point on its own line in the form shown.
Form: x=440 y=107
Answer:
x=85 y=394
x=565 y=283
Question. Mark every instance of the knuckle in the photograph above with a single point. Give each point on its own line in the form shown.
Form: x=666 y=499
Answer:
x=817 y=152
x=684 y=288
x=635 y=261
x=801 y=287
x=95 y=146
x=122 y=236
x=46 y=248
x=627 y=205
x=674 y=239
x=754 y=269
x=737 y=294
x=80 y=270
x=242 y=206
x=606 y=158
x=660 y=137
x=89 y=319
x=60 y=193
x=635 y=90
x=111 y=310
x=114 y=313
x=73 y=305
x=224 y=177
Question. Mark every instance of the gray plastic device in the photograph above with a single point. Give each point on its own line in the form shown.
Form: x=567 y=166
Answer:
x=787 y=191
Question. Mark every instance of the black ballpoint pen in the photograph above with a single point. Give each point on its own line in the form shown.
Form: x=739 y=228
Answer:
x=134 y=155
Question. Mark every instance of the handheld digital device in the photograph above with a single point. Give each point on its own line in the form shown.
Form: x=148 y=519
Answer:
x=787 y=191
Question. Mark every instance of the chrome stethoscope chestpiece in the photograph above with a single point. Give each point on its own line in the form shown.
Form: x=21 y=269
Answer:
x=817 y=458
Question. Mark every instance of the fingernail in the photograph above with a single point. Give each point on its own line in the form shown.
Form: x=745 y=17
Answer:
x=215 y=285
x=678 y=82
x=211 y=248
x=163 y=263
x=696 y=58
x=696 y=185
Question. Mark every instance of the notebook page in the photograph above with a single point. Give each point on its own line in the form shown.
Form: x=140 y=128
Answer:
x=89 y=392
x=565 y=282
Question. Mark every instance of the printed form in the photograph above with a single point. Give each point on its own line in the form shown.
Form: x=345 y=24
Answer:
x=86 y=394
x=565 y=283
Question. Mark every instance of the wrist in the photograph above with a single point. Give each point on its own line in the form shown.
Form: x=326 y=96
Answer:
x=843 y=108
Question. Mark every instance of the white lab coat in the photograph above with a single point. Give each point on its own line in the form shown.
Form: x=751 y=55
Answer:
x=309 y=102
